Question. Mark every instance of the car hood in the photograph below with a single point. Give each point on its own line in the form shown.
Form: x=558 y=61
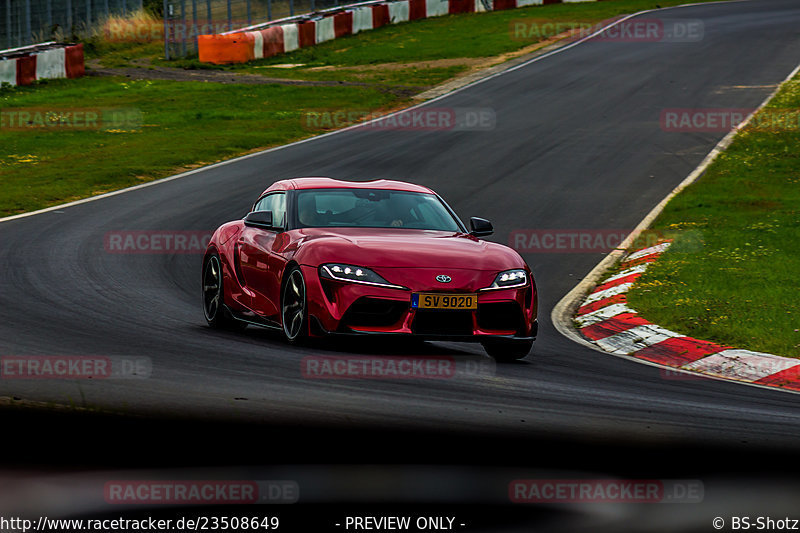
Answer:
x=401 y=248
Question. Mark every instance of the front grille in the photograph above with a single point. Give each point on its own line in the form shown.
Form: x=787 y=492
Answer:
x=374 y=312
x=500 y=316
x=442 y=322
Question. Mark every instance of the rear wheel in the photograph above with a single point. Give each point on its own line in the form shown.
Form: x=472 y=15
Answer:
x=506 y=350
x=214 y=296
x=294 y=313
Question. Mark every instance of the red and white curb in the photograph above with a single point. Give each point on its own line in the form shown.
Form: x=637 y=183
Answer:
x=605 y=320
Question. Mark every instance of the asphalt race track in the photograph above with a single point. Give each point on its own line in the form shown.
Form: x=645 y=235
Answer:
x=577 y=144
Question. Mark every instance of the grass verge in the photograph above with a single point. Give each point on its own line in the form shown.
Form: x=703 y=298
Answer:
x=183 y=125
x=740 y=286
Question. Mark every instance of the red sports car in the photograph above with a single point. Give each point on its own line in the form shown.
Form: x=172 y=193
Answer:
x=318 y=256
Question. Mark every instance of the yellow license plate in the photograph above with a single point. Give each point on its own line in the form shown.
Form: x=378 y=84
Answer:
x=444 y=301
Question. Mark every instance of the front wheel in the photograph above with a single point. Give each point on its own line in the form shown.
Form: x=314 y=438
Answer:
x=214 y=296
x=294 y=305
x=507 y=350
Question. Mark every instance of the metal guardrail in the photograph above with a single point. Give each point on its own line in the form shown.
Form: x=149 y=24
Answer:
x=25 y=50
x=305 y=16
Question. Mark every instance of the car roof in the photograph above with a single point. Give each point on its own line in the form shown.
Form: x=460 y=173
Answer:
x=330 y=183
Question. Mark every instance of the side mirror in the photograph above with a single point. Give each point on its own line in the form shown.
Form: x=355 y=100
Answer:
x=480 y=227
x=259 y=219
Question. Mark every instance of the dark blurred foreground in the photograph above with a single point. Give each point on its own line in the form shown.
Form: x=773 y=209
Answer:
x=61 y=465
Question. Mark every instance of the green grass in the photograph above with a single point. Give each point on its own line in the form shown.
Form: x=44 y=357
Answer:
x=121 y=54
x=740 y=287
x=184 y=124
x=187 y=124
x=388 y=76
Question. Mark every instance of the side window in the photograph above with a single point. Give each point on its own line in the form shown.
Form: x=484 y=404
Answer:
x=261 y=204
x=275 y=202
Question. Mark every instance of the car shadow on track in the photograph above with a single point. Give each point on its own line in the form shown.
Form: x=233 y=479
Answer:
x=360 y=346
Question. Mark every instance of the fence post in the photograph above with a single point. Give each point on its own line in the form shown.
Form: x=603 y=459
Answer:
x=269 y=9
x=88 y=13
x=291 y=8
x=9 y=37
x=166 y=31
x=313 y=6
x=183 y=22
x=230 y=17
x=49 y=16
x=195 y=28
x=211 y=27
x=69 y=19
x=249 y=16
x=28 y=32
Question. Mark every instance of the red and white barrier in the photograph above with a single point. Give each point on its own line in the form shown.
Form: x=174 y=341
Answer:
x=362 y=19
x=325 y=30
x=438 y=8
x=23 y=66
x=8 y=72
x=398 y=12
x=299 y=32
x=291 y=41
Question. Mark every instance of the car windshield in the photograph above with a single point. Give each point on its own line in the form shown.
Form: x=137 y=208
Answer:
x=372 y=208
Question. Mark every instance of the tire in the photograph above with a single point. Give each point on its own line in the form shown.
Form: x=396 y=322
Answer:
x=213 y=294
x=507 y=350
x=294 y=307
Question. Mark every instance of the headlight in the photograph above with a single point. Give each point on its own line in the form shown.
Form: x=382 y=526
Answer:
x=509 y=279
x=354 y=274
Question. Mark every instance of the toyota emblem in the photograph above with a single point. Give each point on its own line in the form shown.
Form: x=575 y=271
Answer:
x=441 y=278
